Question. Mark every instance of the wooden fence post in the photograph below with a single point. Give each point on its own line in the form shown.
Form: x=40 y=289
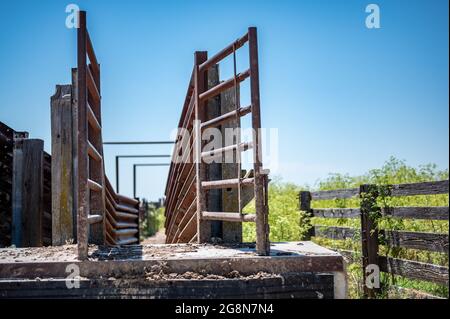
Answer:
x=27 y=192
x=62 y=161
x=214 y=170
x=369 y=238
x=305 y=205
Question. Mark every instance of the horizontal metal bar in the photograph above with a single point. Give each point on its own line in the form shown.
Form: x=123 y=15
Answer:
x=91 y=53
x=223 y=53
x=93 y=219
x=139 y=143
x=126 y=231
x=227 y=183
x=229 y=217
x=126 y=225
x=93 y=153
x=153 y=164
x=224 y=86
x=127 y=241
x=143 y=156
x=127 y=209
x=124 y=199
x=92 y=119
x=226 y=117
x=126 y=215
x=92 y=86
x=94 y=186
x=242 y=147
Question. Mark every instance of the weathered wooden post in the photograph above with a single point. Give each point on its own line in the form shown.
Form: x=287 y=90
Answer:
x=305 y=205
x=231 y=231
x=62 y=170
x=27 y=192
x=369 y=239
x=214 y=169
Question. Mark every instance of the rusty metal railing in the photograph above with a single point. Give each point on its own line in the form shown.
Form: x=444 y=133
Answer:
x=122 y=218
x=89 y=171
x=102 y=215
x=187 y=185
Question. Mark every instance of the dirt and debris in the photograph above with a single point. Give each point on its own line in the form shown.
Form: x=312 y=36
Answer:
x=159 y=272
x=157 y=252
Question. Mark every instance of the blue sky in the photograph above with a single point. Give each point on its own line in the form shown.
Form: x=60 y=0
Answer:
x=343 y=97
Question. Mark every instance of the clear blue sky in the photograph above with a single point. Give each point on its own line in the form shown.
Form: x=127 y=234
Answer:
x=344 y=97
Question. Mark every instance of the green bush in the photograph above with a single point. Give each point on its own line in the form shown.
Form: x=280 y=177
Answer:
x=287 y=223
x=153 y=222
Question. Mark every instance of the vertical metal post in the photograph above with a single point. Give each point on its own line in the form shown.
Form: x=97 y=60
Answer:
x=117 y=174
x=203 y=227
x=134 y=180
x=262 y=240
x=82 y=165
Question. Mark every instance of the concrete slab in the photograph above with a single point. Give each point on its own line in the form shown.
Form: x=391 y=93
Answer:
x=161 y=252
x=311 y=266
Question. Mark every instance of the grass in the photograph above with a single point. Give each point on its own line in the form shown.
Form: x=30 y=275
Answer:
x=288 y=223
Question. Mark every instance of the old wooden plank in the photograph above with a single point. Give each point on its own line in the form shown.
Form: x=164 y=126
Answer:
x=414 y=269
x=431 y=213
x=62 y=171
x=335 y=232
x=27 y=193
x=424 y=188
x=417 y=240
x=337 y=212
x=214 y=169
x=231 y=232
x=335 y=194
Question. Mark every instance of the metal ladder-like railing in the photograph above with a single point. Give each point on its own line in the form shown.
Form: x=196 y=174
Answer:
x=259 y=180
x=90 y=177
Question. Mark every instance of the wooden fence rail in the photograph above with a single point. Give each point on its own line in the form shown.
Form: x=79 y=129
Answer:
x=371 y=237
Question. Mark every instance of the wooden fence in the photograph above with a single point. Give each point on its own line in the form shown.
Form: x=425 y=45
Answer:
x=371 y=237
x=25 y=190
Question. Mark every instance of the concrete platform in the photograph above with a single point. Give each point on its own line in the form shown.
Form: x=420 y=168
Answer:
x=294 y=270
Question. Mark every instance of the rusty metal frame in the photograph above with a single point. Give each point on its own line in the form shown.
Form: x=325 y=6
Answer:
x=186 y=180
x=89 y=168
x=132 y=156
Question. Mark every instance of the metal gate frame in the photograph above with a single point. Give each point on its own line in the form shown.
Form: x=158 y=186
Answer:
x=260 y=179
